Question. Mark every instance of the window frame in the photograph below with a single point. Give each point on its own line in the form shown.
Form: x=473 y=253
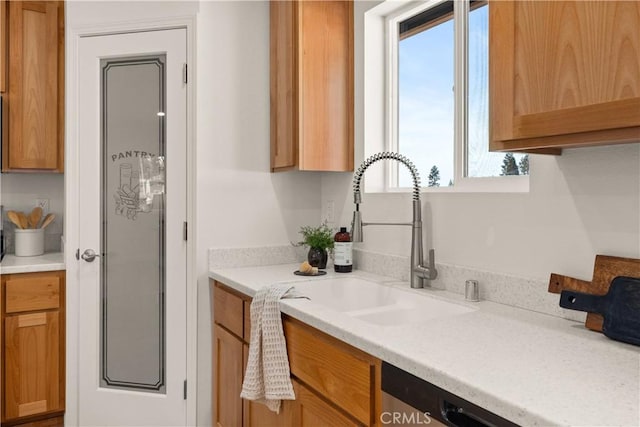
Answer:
x=462 y=183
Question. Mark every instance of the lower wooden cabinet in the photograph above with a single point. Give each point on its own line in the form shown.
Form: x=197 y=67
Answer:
x=228 y=366
x=334 y=383
x=310 y=410
x=258 y=415
x=341 y=374
x=33 y=323
x=44 y=422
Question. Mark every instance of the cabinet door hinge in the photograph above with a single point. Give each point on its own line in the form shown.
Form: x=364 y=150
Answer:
x=184 y=74
x=185 y=390
x=184 y=231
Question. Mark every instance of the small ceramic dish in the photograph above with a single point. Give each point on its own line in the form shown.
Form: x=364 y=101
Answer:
x=300 y=273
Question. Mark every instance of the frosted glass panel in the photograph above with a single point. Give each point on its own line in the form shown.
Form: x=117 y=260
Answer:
x=133 y=278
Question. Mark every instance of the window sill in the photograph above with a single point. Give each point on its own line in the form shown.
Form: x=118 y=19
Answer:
x=502 y=184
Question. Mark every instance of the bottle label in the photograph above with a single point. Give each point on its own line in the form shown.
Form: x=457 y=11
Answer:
x=342 y=253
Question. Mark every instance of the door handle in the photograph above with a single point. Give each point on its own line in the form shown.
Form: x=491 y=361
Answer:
x=89 y=255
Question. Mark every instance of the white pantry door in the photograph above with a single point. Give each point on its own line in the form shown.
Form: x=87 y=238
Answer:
x=132 y=194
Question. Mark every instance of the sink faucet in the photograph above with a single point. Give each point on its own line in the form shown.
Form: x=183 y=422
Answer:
x=418 y=271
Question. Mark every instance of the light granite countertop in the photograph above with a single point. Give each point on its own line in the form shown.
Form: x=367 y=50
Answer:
x=530 y=368
x=52 y=261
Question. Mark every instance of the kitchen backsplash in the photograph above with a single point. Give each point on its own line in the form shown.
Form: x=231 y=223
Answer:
x=254 y=257
x=529 y=294
x=19 y=192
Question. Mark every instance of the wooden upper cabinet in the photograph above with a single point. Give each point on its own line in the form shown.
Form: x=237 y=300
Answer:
x=563 y=74
x=312 y=85
x=3 y=46
x=35 y=96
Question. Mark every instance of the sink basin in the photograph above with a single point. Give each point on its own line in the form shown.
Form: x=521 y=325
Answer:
x=430 y=308
x=378 y=304
x=347 y=294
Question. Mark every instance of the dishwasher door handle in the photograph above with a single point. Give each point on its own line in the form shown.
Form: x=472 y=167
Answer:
x=459 y=417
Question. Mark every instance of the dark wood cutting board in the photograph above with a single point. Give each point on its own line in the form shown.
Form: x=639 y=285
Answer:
x=605 y=269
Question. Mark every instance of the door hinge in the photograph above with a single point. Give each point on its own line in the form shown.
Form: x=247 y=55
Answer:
x=184 y=231
x=78 y=254
x=184 y=74
x=185 y=390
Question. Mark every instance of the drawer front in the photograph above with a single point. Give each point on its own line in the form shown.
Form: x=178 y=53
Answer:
x=332 y=369
x=312 y=411
x=30 y=292
x=228 y=310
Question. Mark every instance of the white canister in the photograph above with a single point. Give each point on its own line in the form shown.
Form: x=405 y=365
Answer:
x=29 y=242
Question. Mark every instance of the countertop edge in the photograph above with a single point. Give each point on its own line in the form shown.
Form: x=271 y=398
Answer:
x=53 y=261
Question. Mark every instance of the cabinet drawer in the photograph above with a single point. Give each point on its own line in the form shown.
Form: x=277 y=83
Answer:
x=228 y=310
x=28 y=292
x=311 y=411
x=342 y=374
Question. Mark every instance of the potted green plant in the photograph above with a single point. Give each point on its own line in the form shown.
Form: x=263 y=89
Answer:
x=319 y=240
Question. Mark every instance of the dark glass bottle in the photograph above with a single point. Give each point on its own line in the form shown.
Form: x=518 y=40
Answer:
x=343 y=251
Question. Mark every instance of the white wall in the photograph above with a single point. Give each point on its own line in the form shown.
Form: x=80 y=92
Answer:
x=583 y=203
x=580 y=204
x=239 y=203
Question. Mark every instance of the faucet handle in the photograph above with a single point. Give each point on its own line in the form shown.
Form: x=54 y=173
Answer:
x=429 y=271
x=356 y=227
x=433 y=273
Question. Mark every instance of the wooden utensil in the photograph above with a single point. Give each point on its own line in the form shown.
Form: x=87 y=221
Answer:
x=605 y=269
x=24 y=221
x=620 y=308
x=14 y=218
x=48 y=220
x=35 y=216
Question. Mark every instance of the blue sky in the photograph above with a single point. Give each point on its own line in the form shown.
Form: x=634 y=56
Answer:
x=425 y=107
x=425 y=115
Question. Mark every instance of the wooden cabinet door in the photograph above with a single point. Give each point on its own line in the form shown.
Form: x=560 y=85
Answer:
x=311 y=85
x=258 y=415
x=32 y=369
x=33 y=97
x=311 y=411
x=227 y=374
x=284 y=110
x=3 y=46
x=325 y=82
x=340 y=373
x=563 y=73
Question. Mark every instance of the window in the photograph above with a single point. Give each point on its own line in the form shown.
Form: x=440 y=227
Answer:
x=438 y=97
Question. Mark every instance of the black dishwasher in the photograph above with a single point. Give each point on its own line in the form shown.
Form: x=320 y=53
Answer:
x=421 y=402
